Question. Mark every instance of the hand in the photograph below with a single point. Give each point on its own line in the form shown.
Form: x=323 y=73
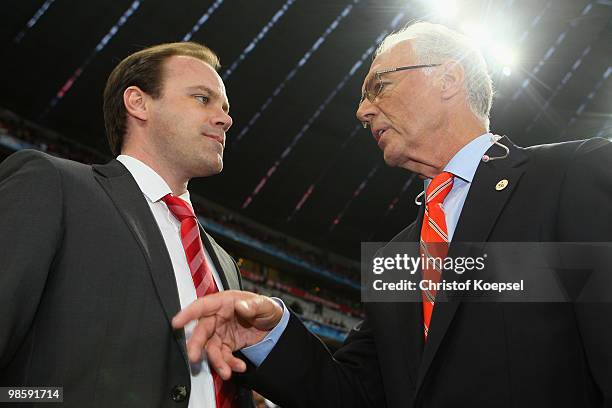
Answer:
x=227 y=321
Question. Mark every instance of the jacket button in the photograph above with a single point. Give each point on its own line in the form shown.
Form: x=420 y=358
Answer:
x=179 y=393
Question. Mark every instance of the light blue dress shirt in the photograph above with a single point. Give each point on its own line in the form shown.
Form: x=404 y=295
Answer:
x=463 y=165
x=257 y=353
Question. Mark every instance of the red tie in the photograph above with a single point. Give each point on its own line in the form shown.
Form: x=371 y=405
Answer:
x=225 y=391
x=434 y=239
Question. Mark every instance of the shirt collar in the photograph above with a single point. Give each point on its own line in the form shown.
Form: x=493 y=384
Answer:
x=465 y=162
x=151 y=184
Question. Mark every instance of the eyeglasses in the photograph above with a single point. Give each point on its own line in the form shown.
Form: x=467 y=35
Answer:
x=374 y=86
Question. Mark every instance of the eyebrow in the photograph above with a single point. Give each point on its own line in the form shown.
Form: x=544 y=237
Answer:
x=211 y=92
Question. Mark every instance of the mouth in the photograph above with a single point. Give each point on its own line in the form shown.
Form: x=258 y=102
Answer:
x=378 y=134
x=218 y=138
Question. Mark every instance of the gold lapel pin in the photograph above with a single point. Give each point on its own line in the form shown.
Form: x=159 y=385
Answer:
x=501 y=185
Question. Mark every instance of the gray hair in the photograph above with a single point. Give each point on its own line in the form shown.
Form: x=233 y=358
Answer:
x=434 y=43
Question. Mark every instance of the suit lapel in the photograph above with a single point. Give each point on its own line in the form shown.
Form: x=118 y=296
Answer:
x=412 y=312
x=481 y=209
x=223 y=263
x=400 y=321
x=131 y=204
x=485 y=202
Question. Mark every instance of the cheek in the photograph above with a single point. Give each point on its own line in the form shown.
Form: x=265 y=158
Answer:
x=399 y=115
x=167 y=120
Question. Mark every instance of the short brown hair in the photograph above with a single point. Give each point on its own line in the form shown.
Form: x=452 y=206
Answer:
x=143 y=69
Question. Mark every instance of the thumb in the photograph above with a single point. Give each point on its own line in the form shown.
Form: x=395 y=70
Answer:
x=260 y=311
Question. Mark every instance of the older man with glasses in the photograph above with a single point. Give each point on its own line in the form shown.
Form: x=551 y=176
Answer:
x=426 y=100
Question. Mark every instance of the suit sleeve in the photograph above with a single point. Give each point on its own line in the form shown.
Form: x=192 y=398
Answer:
x=30 y=225
x=586 y=217
x=301 y=372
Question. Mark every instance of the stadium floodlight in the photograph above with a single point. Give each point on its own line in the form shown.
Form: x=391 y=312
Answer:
x=504 y=54
x=445 y=9
x=476 y=33
x=493 y=44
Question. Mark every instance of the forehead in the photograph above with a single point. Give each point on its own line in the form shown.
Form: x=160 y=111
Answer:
x=185 y=71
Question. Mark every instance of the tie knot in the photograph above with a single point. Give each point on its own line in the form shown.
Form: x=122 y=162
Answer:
x=178 y=207
x=439 y=188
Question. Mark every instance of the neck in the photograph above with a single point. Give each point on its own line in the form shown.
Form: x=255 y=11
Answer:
x=453 y=138
x=177 y=182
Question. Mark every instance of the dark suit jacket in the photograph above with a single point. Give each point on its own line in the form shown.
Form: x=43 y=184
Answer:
x=478 y=354
x=87 y=289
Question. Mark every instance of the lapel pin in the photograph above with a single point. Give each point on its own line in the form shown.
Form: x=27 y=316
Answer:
x=501 y=185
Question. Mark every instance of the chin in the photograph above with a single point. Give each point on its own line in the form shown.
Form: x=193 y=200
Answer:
x=217 y=167
x=390 y=162
x=211 y=171
x=219 y=164
x=393 y=160
x=210 y=165
x=206 y=171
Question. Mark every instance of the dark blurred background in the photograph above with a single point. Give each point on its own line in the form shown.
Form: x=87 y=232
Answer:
x=293 y=71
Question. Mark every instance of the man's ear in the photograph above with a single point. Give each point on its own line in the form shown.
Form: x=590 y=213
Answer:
x=136 y=102
x=452 y=79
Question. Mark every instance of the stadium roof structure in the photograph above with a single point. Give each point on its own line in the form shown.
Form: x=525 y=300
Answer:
x=296 y=158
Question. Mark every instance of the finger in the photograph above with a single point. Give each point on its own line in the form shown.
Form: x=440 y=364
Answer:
x=215 y=359
x=234 y=363
x=200 y=336
x=205 y=306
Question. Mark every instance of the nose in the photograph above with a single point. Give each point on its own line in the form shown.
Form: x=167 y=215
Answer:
x=366 y=111
x=223 y=120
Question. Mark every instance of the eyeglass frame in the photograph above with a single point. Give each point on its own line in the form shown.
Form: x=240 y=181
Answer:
x=378 y=74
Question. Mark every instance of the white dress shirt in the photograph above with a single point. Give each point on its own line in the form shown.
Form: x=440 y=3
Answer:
x=154 y=188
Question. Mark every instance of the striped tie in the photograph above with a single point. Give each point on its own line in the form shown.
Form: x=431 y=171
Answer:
x=225 y=391
x=434 y=239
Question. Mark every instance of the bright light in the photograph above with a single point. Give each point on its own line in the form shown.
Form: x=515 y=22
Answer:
x=445 y=9
x=504 y=55
x=476 y=33
x=492 y=42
